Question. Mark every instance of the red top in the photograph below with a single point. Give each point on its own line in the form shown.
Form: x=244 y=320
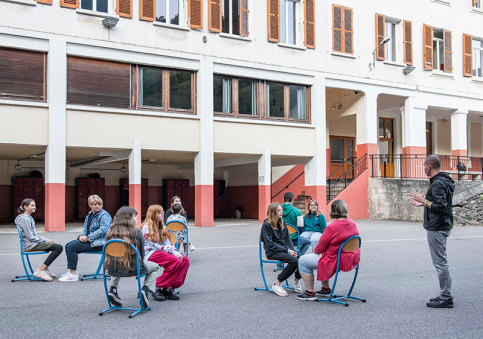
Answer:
x=332 y=238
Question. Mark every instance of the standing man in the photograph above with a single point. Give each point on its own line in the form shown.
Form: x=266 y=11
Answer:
x=438 y=222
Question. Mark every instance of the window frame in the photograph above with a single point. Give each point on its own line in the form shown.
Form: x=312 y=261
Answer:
x=230 y=17
x=166 y=86
x=181 y=9
x=286 y=100
x=436 y=51
x=110 y=7
x=473 y=59
x=296 y=15
x=478 y=4
x=393 y=42
x=235 y=107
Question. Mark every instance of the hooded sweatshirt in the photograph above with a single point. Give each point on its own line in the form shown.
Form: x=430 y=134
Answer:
x=27 y=227
x=290 y=214
x=440 y=216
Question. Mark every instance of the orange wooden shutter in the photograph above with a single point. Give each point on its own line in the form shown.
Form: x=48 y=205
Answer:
x=214 y=15
x=467 y=55
x=408 y=42
x=196 y=13
x=69 y=3
x=273 y=20
x=380 y=35
x=348 y=31
x=309 y=18
x=243 y=17
x=124 y=8
x=336 y=28
x=475 y=2
x=147 y=10
x=47 y=2
x=428 y=46
x=448 y=52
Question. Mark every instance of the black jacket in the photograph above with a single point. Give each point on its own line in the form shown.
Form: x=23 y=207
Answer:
x=275 y=241
x=139 y=244
x=440 y=216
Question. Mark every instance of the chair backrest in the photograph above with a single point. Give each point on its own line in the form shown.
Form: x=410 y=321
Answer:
x=176 y=225
x=292 y=229
x=116 y=249
x=21 y=238
x=352 y=244
x=172 y=238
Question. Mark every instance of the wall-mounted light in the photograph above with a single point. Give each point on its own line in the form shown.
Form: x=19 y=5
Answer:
x=123 y=169
x=110 y=21
x=383 y=42
x=408 y=69
x=18 y=167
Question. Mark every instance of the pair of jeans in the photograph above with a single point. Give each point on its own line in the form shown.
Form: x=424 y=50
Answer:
x=153 y=272
x=437 y=249
x=73 y=248
x=291 y=268
x=313 y=237
x=308 y=263
x=304 y=244
x=56 y=250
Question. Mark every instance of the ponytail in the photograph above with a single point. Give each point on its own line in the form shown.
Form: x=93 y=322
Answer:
x=25 y=202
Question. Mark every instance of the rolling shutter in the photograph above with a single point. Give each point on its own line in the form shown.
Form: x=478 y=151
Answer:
x=467 y=55
x=380 y=35
x=309 y=16
x=273 y=20
x=214 y=15
x=428 y=46
x=196 y=13
x=448 y=52
x=408 y=42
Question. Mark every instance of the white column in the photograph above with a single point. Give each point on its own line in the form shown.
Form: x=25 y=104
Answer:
x=55 y=155
x=264 y=183
x=413 y=118
x=458 y=132
x=135 y=178
x=367 y=132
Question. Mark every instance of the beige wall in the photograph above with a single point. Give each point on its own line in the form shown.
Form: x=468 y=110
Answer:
x=243 y=178
x=444 y=136
x=476 y=140
x=24 y=125
x=343 y=126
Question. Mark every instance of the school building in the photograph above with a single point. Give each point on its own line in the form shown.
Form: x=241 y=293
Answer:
x=230 y=103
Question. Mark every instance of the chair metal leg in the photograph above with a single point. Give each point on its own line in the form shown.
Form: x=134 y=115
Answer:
x=96 y=275
x=27 y=276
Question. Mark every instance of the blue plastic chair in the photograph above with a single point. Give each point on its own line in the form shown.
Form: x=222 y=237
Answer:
x=176 y=225
x=268 y=261
x=117 y=250
x=29 y=275
x=352 y=244
x=292 y=229
x=98 y=274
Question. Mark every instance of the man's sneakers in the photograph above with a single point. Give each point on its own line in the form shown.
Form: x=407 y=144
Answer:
x=278 y=289
x=323 y=292
x=440 y=303
x=309 y=296
x=297 y=287
x=144 y=295
x=114 y=297
x=44 y=275
x=69 y=277
x=169 y=294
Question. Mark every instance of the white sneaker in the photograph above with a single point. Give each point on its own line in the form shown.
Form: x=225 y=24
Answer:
x=64 y=274
x=191 y=247
x=70 y=277
x=297 y=287
x=42 y=275
x=278 y=289
x=52 y=275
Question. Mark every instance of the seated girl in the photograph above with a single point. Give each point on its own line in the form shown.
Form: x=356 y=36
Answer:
x=159 y=250
x=278 y=246
x=178 y=213
x=124 y=228
x=314 y=223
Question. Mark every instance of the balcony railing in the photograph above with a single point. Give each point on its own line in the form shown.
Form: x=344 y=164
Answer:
x=411 y=166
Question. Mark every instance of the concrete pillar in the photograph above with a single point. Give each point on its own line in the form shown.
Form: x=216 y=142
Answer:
x=55 y=155
x=413 y=118
x=316 y=168
x=367 y=126
x=135 y=178
x=264 y=184
x=459 y=145
x=204 y=159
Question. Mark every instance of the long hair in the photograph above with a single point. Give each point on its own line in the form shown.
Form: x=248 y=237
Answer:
x=157 y=231
x=25 y=202
x=317 y=213
x=182 y=212
x=273 y=219
x=123 y=227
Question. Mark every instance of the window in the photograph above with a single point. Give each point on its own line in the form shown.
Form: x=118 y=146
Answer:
x=22 y=74
x=288 y=22
x=95 y=5
x=342 y=30
x=390 y=47
x=235 y=96
x=170 y=90
x=167 y=11
x=230 y=17
x=477 y=58
x=477 y=4
x=437 y=49
x=288 y=102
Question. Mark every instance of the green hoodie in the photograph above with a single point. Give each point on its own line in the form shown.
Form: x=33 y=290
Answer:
x=290 y=215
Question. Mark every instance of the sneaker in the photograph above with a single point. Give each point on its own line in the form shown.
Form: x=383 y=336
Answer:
x=297 y=288
x=158 y=295
x=323 y=292
x=278 y=289
x=191 y=247
x=440 y=303
x=44 y=275
x=169 y=294
x=63 y=275
x=114 y=297
x=52 y=275
x=144 y=294
x=307 y=296
x=70 y=277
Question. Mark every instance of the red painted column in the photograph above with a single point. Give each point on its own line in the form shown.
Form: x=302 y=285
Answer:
x=135 y=200
x=319 y=194
x=264 y=199
x=204 y=206
x=413 y=167
x=54 y=207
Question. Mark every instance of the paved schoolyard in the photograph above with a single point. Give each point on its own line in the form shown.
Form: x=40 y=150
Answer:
x=218 y=301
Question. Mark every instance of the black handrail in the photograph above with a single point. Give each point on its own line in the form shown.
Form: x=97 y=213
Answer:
x=351 y=159
x=356 y=170
x=290 y=183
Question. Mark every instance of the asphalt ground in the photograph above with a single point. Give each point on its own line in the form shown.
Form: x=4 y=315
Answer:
x=218 y=300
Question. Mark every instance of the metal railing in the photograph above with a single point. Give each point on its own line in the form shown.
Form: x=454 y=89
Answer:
x=335 y=186
x=411 y=166
x=288 y=185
